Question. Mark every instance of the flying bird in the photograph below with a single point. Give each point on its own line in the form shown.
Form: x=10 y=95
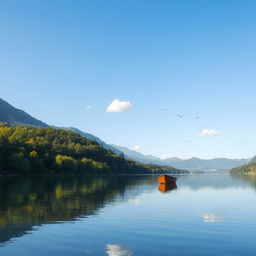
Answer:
x=180 y=116
x=165 y=109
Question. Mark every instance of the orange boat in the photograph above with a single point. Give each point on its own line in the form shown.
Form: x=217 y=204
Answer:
x=166 y=179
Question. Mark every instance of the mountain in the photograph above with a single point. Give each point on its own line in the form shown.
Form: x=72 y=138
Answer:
x=249 y=168
x=92 y=137
x=203 y=164
x=27 y=150
x=15 y=117
x=190 y=164
x=134 y=155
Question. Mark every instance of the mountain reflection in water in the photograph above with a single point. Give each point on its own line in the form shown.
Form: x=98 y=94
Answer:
x=33 y=201
x=204 y=214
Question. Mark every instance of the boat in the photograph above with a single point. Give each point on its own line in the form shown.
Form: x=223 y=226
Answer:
x=167 y=187
x=166 y=179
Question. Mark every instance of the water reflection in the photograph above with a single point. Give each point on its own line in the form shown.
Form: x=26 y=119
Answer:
x=167 y=187
x=29 y=202
x=211 y=218
x=117 y=250
x=248 y=178
x=134 y=201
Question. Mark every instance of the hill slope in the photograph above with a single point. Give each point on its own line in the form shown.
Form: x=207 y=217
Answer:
x=249 y=168
x=92 y=137
x=15 y=116
x=30 y=150
x=136 y=156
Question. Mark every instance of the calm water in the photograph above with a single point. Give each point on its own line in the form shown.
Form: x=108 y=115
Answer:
x=207 y=214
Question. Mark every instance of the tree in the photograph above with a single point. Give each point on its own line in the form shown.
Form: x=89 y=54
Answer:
x=19 y=163
x=37 y=164
x=66 y=163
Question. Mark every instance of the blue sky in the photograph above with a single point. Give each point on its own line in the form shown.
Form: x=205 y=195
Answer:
x=191 y=58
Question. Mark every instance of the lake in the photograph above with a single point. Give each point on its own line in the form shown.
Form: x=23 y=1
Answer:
x=206 y=214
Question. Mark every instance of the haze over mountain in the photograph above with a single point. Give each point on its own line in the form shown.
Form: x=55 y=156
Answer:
x=132 y=154
x=191 y=163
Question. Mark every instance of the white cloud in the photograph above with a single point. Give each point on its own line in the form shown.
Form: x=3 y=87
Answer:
x=211 y=218
x=117 y=250
x=136 y=148
x=119 y=106
x=88 y=107
x=208 y=132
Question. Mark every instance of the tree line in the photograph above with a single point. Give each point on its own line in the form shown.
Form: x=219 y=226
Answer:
x=31 y=150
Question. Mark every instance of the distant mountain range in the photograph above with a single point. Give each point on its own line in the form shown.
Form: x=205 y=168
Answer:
x=17 y=117
x=132 y=154
x=190 y=164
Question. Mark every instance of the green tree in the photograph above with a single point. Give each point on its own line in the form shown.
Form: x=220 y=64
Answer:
x=19 y=163
x=37 y=164
x=66 y=163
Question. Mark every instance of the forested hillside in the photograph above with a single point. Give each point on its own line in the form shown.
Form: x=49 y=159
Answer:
x=29 y=150
x=246 y=169
x=17 y=117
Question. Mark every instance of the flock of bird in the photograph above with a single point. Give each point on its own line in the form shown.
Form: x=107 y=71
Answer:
x=182 y=116
x=179 y=115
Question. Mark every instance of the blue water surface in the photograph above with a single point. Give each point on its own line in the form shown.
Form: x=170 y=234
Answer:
x=207 y=214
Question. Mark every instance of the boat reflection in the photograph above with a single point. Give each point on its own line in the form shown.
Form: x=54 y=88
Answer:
x=167 y=187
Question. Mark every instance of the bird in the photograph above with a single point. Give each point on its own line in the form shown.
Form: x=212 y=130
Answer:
x=165 y=109
x=180 y=116
x=196 y=117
